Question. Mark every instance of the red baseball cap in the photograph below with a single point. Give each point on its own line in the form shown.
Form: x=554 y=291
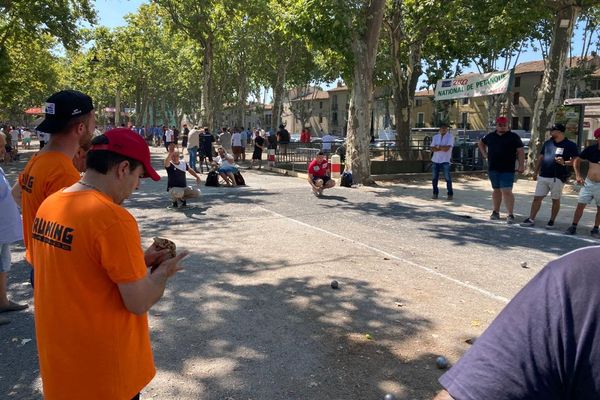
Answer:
x=597 y=133
x=501 y=120
x=127 y=143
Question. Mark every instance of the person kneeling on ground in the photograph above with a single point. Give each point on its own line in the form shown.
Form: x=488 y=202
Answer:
x=176 y=184
x=319 y=174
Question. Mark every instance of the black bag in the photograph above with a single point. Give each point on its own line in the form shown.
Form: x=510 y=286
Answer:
x=239 y=179
x=212 y=179
x=346 y=180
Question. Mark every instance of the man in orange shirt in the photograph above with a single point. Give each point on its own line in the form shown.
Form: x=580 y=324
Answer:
x=93 y=286
x=70 y=121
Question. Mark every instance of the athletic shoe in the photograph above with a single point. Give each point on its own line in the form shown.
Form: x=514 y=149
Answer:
x=527 y=223
x=595 y=233
x=434 y=197
x=175 y=204
x=550 y=225
x=510 y=219
x=183 y=203
x=450 y=197
x=495 y=216
x=572 y=230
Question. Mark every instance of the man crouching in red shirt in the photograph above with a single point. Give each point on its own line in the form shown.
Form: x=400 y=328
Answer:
x=319 y=174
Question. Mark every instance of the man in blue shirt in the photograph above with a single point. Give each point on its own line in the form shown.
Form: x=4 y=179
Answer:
x=551 y=172
x=502 y=148
x=543 y=345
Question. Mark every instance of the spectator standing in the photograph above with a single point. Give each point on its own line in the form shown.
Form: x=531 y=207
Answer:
x=225 y=140
x=283 y=138
x=26 y=139
x=551 y=173
x=502 y=148
x=169 y=138
x=70 y=122
x=185 y=135
x=243 y=143
x=236 y=143
x=14 y=135
x=87 y=252
x=11 y=231
x=591 y=185
x=327 y=141
x=206 y=147
x=192 y=145
x=305 y=136
x=441 y=147
x=259 y=146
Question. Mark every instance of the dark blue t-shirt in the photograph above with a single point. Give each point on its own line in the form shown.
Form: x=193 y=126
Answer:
x=545 y=344
x=551 y=149
x=502 y=150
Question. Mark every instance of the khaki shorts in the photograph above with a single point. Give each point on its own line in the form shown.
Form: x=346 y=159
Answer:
x=590 y=191
x=179 y=193
x=544 y=185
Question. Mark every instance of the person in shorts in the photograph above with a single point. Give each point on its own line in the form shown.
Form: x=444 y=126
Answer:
x=502 y=148
x=319 y=174
x=551 y=173
x=591 y=186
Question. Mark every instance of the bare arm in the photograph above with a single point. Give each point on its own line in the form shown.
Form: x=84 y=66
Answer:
x=16 y=193
x=140 y=296
x=482 y=149
x=576 y=165
x=310 y=180
x=443 y=395
x=168 y=160
x=521 y=157
x=194 y=174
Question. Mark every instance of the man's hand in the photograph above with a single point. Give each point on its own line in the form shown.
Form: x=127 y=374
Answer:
x=155 y=256
x=521 y=169
x=168 y=268
x=198 y=181
x=579 y=179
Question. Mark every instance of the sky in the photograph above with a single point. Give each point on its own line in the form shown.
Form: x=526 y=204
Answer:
x=111 y=13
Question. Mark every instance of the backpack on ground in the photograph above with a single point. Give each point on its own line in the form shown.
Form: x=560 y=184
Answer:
x=212 y=179
x=239 y=179
x=346 y=180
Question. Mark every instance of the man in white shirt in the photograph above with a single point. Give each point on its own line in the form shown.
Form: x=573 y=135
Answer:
x=169 y=137
x=441 y=147
x=193 y=144
x=236 y=144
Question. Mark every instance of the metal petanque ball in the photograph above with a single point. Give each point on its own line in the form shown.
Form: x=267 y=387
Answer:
x=523 y=264
x=335 y=285
x=441 y=362
x=389 y=397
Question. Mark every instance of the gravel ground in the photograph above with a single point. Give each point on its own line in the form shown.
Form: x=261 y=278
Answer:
x=253 y=315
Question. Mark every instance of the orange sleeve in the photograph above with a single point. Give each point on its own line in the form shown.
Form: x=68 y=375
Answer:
x=121 y=251
x=62 y=180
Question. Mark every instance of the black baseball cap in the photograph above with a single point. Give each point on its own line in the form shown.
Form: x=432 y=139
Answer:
x=558 y=127
x=63 y=106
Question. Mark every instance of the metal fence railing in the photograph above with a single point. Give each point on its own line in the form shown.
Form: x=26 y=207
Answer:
x=296 y=156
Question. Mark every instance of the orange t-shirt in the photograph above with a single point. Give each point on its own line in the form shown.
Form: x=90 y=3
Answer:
x=90 y=346
x=46 y=173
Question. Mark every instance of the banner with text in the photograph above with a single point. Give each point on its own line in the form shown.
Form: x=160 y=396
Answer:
x=473 y=85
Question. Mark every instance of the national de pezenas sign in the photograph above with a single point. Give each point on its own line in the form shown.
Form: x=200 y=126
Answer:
x=473 y=85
